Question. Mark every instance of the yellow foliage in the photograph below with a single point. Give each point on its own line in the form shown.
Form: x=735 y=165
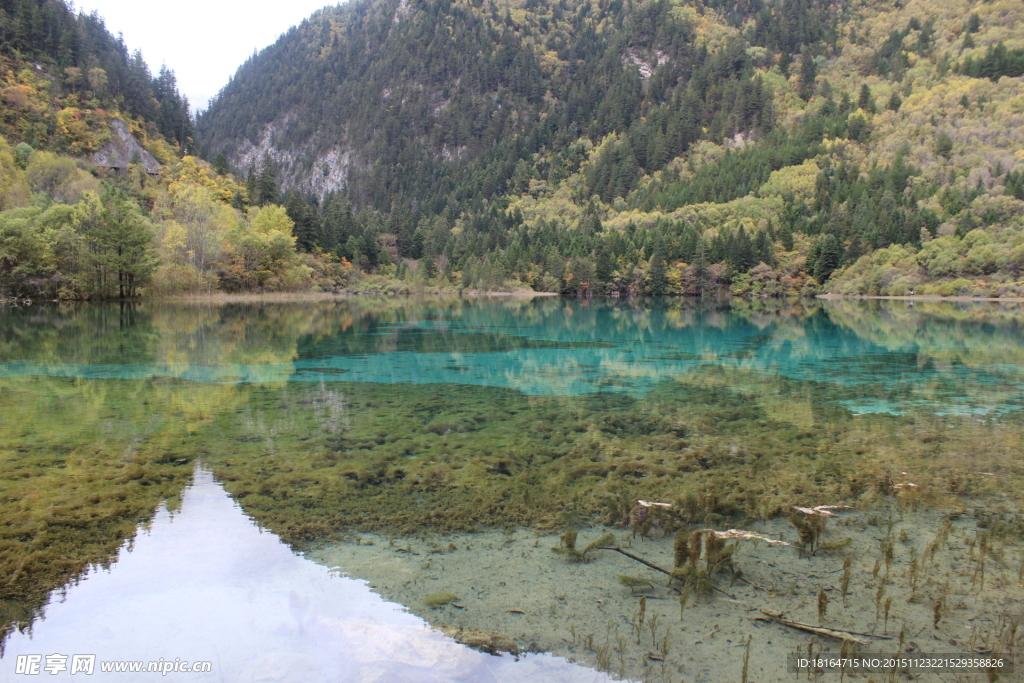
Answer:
x=797 y=181
x=198 y=172
x=59 y=177
x=14 y=190
x=82 y=131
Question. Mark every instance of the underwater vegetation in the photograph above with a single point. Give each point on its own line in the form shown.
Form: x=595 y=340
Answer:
x=567 y=545
x=439 y=599
x=85 y=459
x=82 y=464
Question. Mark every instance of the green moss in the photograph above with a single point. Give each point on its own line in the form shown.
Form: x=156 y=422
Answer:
x=439 y=599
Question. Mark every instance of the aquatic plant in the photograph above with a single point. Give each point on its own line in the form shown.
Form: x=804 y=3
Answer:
x=810 y=524
x=844 y=585
x=439 y=599
x=680 y=549
x=568 y=547
x=644 y=515
x=633 y=582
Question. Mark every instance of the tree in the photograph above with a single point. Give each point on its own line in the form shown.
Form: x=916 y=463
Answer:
x=265 y=185
x=657 y=275
x=700 y=267
x=808 y=72
x=944 y=145
x=828 y=258
x=865 y=100
x=119 y=241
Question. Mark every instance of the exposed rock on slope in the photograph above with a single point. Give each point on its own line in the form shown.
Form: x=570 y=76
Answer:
x=123 y=150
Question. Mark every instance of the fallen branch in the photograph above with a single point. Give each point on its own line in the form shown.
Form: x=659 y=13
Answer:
x=654 y=566
x=634 y=557
x=831 y=632
x=751 y=583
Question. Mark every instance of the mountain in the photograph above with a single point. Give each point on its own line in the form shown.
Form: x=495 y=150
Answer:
x=99 y=196
x=666 y=146
x=63 y=76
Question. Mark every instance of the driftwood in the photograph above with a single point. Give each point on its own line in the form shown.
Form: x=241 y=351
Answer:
x=634 y=557
x=851 y=636
x=654 y=566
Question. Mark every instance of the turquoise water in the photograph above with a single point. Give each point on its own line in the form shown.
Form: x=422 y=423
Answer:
x=951 y=359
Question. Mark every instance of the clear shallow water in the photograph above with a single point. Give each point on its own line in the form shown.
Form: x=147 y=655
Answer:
x=404 y=417
x=206 y=584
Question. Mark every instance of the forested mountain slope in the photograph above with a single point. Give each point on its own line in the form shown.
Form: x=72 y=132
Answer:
x=667 y=146
x=98 y=196
x=62 y=76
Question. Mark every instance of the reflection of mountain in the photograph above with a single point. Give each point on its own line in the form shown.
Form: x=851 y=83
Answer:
x=209 y=585
x=81 y=465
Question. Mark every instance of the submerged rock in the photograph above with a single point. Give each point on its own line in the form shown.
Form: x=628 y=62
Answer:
x=485 y=641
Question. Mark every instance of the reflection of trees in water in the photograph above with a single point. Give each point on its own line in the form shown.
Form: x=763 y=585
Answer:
x=974 y=334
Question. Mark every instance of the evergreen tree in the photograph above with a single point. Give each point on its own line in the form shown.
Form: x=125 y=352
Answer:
x=808 y=72
x=865 y=100
x=657 y=275
x=828 y=258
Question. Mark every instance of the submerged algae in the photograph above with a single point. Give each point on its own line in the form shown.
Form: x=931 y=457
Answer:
x=725 y=436
x=81 y=465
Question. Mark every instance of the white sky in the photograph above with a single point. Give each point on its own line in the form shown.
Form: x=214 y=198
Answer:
x=202 y=41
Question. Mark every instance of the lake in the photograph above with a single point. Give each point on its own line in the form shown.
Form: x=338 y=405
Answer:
x=389 y=489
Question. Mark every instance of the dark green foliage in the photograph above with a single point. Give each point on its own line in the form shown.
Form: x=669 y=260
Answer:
x=944 y=145
x=1015 y=183
x=872 y=209
x=808 y=72
x=973 y=23
x=827 y=258
x=449 y=105
x=891 y=58
x=120 y=244
x=997 y=62
x=865 y=100
x=788 y=25
x=657 y=274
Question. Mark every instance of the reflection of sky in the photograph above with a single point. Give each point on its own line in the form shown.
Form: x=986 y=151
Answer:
x=207 y=585
x=604 y=347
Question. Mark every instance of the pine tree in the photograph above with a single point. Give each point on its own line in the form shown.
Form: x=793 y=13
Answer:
x=865 y=100
x=657 y=277
x=828 y=258
x=808 y=72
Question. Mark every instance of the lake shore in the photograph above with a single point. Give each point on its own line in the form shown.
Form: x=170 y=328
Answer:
x=283 y=297
x=1011 y=299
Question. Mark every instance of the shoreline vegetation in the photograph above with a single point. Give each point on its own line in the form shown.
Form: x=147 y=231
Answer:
x=865 y=297
x=442 y=293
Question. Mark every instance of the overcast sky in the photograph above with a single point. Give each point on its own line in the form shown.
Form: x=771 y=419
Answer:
x=202 y=41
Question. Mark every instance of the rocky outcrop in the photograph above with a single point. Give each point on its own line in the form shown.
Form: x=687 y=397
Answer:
x=124 y=149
